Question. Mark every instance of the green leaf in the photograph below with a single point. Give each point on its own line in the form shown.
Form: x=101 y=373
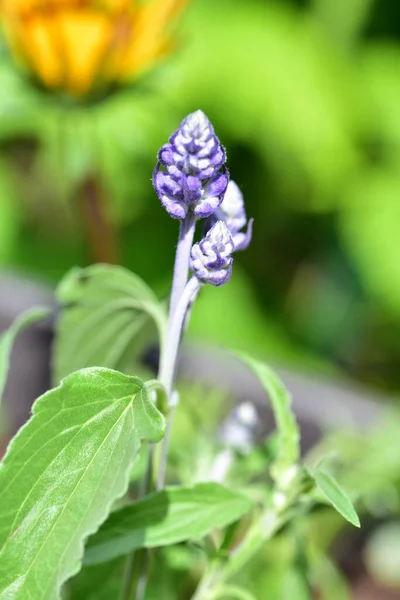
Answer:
x=7 y=339
x=296 y=586
x=104 y=310
x=335 y=495
x=288 y=433
x=168 y=517
x=97 y=582
x=63 y=471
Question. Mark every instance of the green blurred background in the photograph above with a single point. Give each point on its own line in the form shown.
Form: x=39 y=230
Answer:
x=305 y=95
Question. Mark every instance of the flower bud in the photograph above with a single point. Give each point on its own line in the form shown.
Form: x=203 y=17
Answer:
x=233 y=213
x=190 y=174
x=211 y=259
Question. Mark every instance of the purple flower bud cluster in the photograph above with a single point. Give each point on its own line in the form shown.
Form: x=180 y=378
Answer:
x=233 y=213
x=211 y=259
x=190 y=174
x=192 y=182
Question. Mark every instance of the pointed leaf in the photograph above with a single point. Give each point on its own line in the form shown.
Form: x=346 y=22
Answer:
x=7 y=339
x=168 y=517
x=63 y=471
x=288 y=432
x=336 y=496
x=105 y=312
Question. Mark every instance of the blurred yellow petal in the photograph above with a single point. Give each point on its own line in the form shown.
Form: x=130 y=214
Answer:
x=150 y=39
x=85 y=38
x=81 y=45
x=40 y=49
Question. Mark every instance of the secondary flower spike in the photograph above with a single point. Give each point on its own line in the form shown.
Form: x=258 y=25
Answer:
x=190 y=174
x=211 y=259
x=233 y=213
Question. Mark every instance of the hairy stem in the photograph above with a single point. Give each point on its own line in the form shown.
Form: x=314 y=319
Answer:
x=170 y=355
x=182 y=295
x=168 y=365
x=181 y=267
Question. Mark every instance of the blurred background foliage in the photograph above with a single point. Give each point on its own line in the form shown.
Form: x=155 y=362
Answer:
x=305 y=96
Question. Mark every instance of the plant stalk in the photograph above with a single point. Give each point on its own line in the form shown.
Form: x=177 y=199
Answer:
x=220 y=572
x=168 y=366
x=182 y=294
x=99 y=229
x=182 y=257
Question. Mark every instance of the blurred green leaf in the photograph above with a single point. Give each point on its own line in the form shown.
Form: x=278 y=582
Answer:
x=335 y=495
x=380 y=81
x=296 y=586
x=105 y=311
x=168 y=517
x=329 y=580
x=97 y=582
x=7 y=339
x=369 y=231
x=288 y=434
x=344 y=20
x=62 y=473
x=9 y=216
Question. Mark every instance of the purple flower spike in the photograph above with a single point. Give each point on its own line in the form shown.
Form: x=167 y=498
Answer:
x=190 y=173
x=233 y=213
x=211 y=259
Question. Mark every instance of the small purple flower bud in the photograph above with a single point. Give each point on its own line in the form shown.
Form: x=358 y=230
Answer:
x=211 y=259
x=190 y=173
x=233 y=213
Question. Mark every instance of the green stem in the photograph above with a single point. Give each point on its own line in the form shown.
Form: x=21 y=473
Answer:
x=219 y=572
x=168 y=366
x=182 y=294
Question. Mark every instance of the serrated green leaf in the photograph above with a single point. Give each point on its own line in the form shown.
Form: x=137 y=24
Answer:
x=104 y=310
x=63 y=471
x=288 y=433
x=335 y=495
x=168 y=517
x=7 y=339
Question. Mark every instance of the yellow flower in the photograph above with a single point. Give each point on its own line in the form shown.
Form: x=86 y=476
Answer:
x=77 y=46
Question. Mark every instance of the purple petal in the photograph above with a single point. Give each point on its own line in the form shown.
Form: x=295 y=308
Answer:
x=165 y=184
x=192 y=189
x=206 y=207
x=177 y=210
x=219 y=278
x=217 y=185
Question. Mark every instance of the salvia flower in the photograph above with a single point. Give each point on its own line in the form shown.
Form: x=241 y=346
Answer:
x=233 y=213
x=211 y=259
x=190 y=174
x=80 y=46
